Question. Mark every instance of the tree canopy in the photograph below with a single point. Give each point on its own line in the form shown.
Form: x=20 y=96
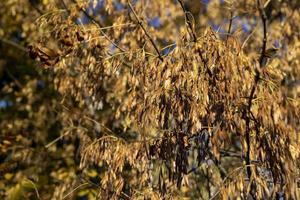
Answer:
x=120 y=99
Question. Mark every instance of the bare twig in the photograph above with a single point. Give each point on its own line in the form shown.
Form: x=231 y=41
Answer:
x=188 y=22
x=257 y=77
x=57 y=139
x=81 y=185
x=145 y=31
x=91 y=18
x=17 y=82
x=230 y=24
x=192 y=32
x=225 y=153
x=35 y=188
x=64 y=5
x=264 y=21
x=99 y=25
x=208 y=188
x=123 y=195
x=35 y=7
x=248 y=37
x=9 y=42
x=227 y=177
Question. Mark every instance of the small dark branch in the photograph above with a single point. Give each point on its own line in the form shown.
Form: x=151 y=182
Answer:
x=252 y=93
x=208 y=182
x=248 y=129
x=91 y=18
x=248 y=141
x=65 y=5
x=99 y=24
x=188 y=22
x=221 y=169
x=88 y=15
x=91 y=183
x=17 y=82
x=14 y=44
x=225 y=153
x=264 y=21
x=145 y=31
x=146 y=146
x=192 y=32
x=257 y=76
x=230 y=25
x=34 y=5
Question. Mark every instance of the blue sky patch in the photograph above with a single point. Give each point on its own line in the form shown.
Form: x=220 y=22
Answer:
x=154 y=22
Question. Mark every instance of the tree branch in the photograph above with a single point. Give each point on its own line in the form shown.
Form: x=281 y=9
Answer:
x=99 y=24
x=257 y=77
x=192 y=32
x=230 y=24
x=145 y=31
x=264 y=46
x=14 y=44
x=188 y=22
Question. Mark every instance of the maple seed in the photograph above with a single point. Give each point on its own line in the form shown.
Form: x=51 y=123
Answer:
x=79 y=37
x=32 y=52
x=46 y=55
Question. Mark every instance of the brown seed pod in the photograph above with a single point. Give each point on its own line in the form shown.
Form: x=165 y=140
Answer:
x=32 y=52
x=79 y=36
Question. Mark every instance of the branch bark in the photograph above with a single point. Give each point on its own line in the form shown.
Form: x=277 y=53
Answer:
x=188 y=22
x=251 y=97
x=140 y=23
x=99 y=24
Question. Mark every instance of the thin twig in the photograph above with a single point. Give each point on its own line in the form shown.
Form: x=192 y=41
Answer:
x=228 y=176
x=208 y=182
x=188 y=22
x=99 y=25
x=248 y=37
x=192 y=32
x=36 y=7
x=264 y=21
x=17 y=82
x=140 y=23
x=91 y=18
x=257 y=77
x=13 y=44
x=111 y=27
x=230 y=24
x=49 y=13
x=56 y=139
x=35 y=188
x=100 y=187
x=65 y=5
x=81 y=185
x=225 y=153
x=112 y=134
